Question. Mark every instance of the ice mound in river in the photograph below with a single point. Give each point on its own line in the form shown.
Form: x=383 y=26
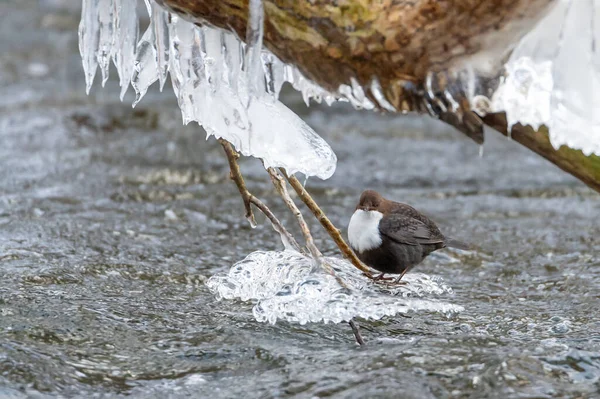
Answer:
x=286 y=286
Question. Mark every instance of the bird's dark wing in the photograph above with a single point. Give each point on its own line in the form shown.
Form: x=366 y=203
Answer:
x=406 y=230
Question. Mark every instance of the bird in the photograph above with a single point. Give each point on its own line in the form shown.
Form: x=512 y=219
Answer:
x=392 y=237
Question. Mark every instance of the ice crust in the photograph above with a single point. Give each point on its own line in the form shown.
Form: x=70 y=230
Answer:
x=286 y=286
x=553 y=77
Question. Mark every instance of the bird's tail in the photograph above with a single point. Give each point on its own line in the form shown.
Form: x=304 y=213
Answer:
x=452 y=243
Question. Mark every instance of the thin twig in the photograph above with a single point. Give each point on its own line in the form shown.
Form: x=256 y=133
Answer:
x=236 y=175
x=356 y=331
x=326 y=223
x=248 y=198
x=280 y=184
x=281 y=187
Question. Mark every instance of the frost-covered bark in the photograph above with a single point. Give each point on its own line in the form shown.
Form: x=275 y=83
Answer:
x=448 y=58
x=397 y=41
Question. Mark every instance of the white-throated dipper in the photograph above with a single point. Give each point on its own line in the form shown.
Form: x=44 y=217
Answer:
x=392 y=237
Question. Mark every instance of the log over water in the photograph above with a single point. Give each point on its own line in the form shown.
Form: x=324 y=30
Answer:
x=401 y=43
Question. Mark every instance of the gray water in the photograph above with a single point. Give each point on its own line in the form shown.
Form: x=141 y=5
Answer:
x=102 y=290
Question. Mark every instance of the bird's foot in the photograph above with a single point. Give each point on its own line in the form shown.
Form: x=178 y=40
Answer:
x=381 y=278
x=394 y=282
x=398 y=280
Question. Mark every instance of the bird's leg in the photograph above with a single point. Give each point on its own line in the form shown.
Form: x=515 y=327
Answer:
x=400 y=277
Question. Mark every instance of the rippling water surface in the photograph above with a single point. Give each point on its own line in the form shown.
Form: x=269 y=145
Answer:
x=112 y=219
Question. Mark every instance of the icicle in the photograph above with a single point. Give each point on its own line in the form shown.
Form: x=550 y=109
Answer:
x=186 y=64
x=277 y=70
x=89 y=31
x=233 y=59
x=347 y=92
x=106 y=41
x=359 y=94
x=380 y=97
x=160 y=19
x=149 y=7
x=126 y=38
x=196 y=86
x=145 y=70
x=287 y=245
x=214 y=58
x=174 y=70
x=252 y=61
x=252 y=222
x=274 y=74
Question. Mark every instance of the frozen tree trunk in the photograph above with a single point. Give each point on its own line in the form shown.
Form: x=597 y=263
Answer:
x=401 y=42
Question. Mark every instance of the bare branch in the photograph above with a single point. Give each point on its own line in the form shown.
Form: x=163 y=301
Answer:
x=248 y=198
x=281 y=187
x=356 y=331
x=326 y=223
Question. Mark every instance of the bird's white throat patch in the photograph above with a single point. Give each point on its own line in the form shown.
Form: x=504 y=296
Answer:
x=363 y=230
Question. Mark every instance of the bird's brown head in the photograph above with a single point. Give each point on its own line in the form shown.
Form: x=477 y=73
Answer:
x=370 y=200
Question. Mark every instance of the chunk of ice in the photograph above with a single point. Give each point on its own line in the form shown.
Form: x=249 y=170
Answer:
x=283 y=286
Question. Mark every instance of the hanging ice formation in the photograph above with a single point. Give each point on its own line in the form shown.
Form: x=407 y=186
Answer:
x=230 y=88
x=553 y=77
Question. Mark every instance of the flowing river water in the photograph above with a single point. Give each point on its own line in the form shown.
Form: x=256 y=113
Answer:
x=112 y=219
